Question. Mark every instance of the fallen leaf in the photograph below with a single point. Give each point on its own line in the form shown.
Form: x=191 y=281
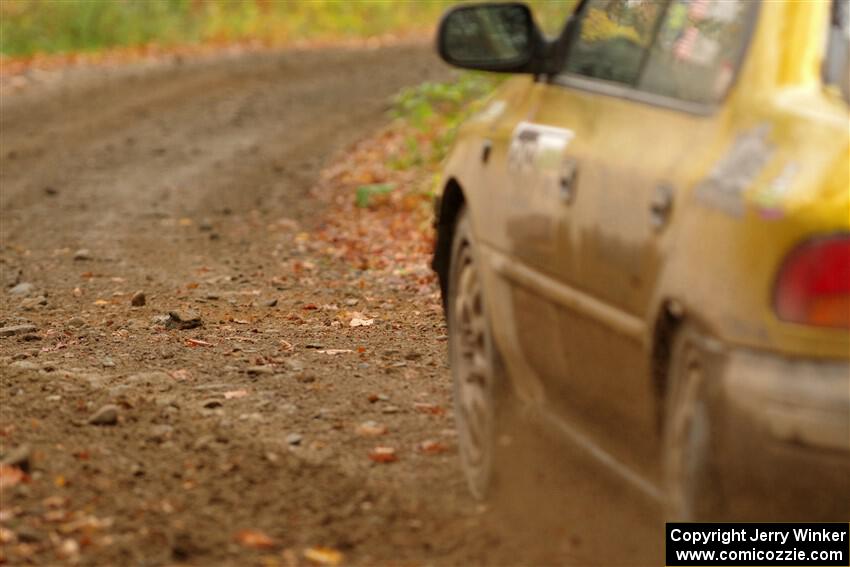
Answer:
x=356 y=322
x=383 y=455
x=254 y=539
x=430 y=447
x=234 y=394
x=431 y=409
x=11 y=476
x=323 y=556
x=197 y=342
x=370 y=429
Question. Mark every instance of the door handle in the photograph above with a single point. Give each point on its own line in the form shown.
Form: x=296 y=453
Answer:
x=567 y=180
x=661 y=206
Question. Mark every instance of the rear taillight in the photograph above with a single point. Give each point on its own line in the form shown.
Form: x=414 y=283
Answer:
x=813 y=286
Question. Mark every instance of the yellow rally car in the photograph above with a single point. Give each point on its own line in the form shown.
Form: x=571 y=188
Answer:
x=646 y=238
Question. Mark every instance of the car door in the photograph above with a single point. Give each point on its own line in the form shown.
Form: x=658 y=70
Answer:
x=640 y=92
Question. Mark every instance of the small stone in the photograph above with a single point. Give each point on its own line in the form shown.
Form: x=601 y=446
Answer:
x=352 y=302
x=107 y=363
x=16 y=330
x=160 y=433
x=205 y=225
x=259 y=370
x=203 y=442
x=212 y=403
x=51 y=191
x=305 y=377
x=76 y=322
x=294 y=439
x=23 y=288
x=107 y=415
x=183 y=320
x=19 y=457
x=370 y=429
x=138 y=299
x=30 y=303
x=271 y=302
x=82 y=254
x=27 y=534
x=391 y=409
x=25 y=365
x=155 y=379
x=29 y=337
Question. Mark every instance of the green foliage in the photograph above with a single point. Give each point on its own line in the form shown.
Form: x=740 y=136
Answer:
x=58 y=26
x=364 y=194
x=434 y=111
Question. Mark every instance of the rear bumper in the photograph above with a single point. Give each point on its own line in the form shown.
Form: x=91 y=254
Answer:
x=783 y=437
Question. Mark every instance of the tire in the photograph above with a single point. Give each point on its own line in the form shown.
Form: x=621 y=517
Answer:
x=690 y=477
x=474 y=363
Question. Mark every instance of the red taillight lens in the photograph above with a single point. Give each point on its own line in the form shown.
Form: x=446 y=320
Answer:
x=813 y=286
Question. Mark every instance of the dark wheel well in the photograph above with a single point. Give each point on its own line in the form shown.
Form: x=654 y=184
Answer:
x=669 y=320
x=448 y=207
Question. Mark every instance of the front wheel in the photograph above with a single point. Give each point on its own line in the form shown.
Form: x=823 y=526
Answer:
x=473 y=362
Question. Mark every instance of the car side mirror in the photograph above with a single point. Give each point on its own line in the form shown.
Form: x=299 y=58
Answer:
x=490 y=37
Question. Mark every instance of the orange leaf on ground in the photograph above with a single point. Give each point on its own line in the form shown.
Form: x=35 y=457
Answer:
x=430 y=447
x=254 y=539
x=383 y=455
x=323 y=556
x=422 y=407
x=11 y=476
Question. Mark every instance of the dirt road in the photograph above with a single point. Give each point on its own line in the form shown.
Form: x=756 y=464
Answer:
x=236 y=435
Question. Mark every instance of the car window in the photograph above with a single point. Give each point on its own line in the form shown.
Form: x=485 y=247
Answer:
x=612 y=38
x=837 y=64
x=697 y=49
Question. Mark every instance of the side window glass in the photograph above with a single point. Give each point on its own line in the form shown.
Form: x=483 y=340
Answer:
x=837 y=63
x=697 y=49
x=613 y=38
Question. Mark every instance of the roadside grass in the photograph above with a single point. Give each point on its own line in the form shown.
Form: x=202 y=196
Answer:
x=431 y=114
x=30 y=27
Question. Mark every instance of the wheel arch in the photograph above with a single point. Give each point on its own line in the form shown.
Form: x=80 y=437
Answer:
x=447 y=209
x=668 y=321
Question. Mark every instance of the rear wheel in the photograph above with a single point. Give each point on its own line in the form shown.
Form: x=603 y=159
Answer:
x=473 y=361
x=691 y=490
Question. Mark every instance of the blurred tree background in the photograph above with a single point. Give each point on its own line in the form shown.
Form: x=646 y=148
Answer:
x=30 y=27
